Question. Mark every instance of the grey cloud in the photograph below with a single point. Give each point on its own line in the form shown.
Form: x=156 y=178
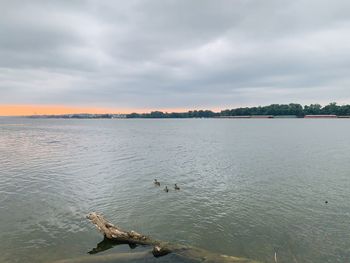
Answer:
x=160 y=54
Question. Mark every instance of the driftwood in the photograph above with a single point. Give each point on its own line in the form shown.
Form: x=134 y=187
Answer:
x=178 y=253
x=115 y=233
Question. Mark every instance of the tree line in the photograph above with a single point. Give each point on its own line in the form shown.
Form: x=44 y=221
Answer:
x=292 y=109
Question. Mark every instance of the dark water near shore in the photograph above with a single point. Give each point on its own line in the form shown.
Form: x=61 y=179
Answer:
x=248 y=187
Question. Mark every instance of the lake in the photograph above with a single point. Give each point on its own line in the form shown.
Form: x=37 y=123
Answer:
x=249 y=187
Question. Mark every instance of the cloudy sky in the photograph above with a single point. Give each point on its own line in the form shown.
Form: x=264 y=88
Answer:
x=181 y=54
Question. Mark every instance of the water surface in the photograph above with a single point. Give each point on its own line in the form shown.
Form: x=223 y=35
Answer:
x=249 y=188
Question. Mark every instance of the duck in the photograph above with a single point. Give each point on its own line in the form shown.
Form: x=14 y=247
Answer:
x=176 y=187
x=166 y=189
x=156 y=182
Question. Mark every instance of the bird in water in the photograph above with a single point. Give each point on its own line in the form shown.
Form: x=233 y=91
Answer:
x=156 y=182
x=166 y=189
x=176 y=187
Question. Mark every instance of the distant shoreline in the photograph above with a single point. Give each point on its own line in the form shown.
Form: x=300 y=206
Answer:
x=96 y=116
x=292 y=110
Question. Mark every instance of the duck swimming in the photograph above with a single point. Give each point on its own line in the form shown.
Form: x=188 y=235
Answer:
x=166 y=189
x=176 y=187
x=156 y=182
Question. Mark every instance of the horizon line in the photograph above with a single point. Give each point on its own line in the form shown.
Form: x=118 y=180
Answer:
x=9 y=110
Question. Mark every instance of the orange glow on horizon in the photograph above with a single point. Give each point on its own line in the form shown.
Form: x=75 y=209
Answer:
x=26 y=110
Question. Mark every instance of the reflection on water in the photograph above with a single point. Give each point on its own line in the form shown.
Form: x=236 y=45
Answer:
x=249 y=188
x=106 y=244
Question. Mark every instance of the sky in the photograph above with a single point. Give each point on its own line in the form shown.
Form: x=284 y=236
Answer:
x=123 y=56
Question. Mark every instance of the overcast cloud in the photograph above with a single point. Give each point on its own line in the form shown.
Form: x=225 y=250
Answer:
x=174 y=54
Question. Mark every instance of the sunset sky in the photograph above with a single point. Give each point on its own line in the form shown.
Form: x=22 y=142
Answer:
x=123 y=56
x=22 y=110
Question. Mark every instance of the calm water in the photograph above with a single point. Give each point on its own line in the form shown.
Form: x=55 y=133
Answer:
x=248 y=187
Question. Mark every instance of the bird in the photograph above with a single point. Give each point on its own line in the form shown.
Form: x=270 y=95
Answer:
x=166 y=189
x=176 y=187
x=326 y=202
x=156 y=182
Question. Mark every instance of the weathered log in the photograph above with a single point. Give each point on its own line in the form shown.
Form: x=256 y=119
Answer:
x=160 y=248
x=115 y=233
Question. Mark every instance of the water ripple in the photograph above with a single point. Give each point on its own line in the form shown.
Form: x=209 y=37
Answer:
x=251 y=189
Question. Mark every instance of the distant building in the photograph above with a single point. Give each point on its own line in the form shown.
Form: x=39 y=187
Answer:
x=233 y=117
x=262 y=116
x=248 y=117
x=285 y=116
x=330 y=116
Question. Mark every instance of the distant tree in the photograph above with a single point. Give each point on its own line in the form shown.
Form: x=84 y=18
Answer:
x=157 y=114
x=313 y=109
x=331 y=108
x=344 y=110
x=295 y=109
x=273 y=109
